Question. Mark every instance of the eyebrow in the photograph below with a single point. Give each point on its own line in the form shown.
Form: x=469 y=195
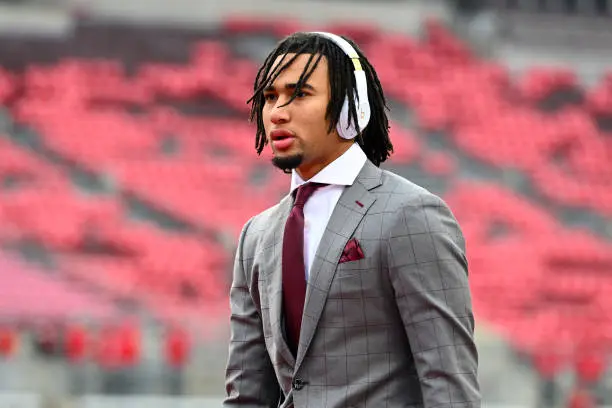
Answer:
x=289 y=87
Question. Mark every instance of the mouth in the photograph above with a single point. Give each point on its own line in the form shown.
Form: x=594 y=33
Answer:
x=280 y=134
x=281 y=139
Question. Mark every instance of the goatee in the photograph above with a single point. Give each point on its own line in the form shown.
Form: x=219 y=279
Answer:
x=288 y=163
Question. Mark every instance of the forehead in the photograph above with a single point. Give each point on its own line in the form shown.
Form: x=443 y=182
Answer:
x=292 y=73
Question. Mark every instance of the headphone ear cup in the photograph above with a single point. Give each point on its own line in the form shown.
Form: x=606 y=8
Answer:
x=363 y=116
x=344 y=130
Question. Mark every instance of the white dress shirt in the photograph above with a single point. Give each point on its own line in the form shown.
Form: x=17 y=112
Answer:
x=338 y=174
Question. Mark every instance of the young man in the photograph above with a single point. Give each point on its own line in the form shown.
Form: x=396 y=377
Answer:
x=353 y=290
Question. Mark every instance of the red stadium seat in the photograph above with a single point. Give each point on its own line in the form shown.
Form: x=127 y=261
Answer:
x=539 y=82
x=8 y=342
x=176 y=347
x=548 y=363
x=76 y=343
x=590 y=366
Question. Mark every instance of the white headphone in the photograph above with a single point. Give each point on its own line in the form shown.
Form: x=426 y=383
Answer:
x=362 y=104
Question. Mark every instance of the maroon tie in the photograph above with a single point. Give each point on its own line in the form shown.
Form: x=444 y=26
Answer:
x=294 y=270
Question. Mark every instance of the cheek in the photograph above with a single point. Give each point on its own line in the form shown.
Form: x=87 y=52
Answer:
x=315 y=115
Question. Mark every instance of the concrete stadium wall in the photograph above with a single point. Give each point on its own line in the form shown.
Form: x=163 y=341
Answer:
x=403 y=16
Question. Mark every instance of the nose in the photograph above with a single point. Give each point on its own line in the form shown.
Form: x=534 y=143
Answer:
x=280 y=113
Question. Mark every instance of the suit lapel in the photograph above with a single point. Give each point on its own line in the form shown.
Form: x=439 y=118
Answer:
x=348 y=213
x=273 y=246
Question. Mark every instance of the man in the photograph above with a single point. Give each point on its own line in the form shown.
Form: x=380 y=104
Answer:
x=353 y=290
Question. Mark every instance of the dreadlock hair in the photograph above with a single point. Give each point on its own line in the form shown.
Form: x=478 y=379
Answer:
x=374 y=139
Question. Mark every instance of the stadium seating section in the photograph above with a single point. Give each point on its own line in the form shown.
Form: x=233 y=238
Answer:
x=132 y=170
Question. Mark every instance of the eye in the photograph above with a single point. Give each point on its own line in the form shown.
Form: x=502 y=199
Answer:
x=269 y=97
x=301 y=94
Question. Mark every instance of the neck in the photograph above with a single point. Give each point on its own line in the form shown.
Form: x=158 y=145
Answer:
x=309 y=170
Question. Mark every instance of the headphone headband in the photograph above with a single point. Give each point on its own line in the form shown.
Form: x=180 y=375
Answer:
x=345 y=46
x=346 y=129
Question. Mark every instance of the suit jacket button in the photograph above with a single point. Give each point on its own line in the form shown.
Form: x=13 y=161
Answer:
x=298 y=384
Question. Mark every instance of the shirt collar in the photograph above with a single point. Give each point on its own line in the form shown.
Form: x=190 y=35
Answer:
x=343 y=171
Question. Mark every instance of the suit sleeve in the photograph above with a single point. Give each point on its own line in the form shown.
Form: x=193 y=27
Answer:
x=429 y=275
x=250 y=381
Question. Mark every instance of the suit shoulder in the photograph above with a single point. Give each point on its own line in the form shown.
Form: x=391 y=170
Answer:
x=261 y=222
x=399 y=192
x=254 y=229
x=412 y=203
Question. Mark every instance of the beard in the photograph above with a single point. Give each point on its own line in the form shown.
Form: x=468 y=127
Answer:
x=288 y=163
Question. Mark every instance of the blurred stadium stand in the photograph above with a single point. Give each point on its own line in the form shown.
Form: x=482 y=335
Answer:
x=127 y=169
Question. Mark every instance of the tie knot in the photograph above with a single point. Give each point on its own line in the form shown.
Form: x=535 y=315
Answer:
x=304 y=192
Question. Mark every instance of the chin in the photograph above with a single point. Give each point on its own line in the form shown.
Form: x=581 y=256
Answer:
x=288 y=162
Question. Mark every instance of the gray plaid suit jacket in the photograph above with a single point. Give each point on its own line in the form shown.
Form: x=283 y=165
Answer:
x=394 y=329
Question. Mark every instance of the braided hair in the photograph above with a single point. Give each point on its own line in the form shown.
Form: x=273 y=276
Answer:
x=374 y=139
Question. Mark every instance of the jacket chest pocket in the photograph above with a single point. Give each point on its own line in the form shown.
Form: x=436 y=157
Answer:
x=352 y=268
x=356 y=279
